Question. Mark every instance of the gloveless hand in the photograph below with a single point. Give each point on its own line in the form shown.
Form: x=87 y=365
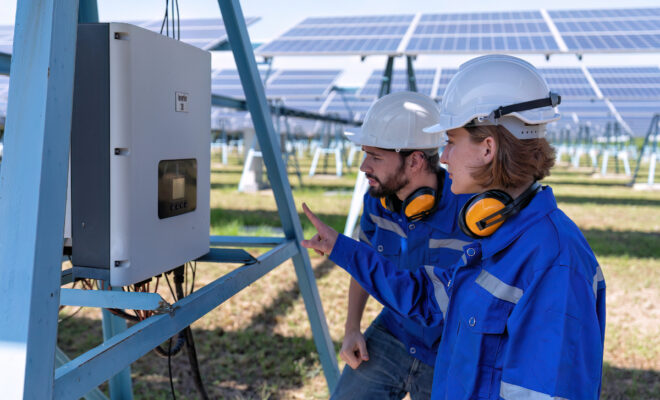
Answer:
x=325 y=238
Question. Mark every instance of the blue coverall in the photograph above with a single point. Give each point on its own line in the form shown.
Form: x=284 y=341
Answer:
x=524 y=311
x=436 y=240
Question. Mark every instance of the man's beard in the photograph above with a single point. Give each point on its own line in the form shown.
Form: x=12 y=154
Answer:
x=391 y=186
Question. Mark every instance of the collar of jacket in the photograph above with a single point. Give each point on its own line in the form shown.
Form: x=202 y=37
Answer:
x=541 y=205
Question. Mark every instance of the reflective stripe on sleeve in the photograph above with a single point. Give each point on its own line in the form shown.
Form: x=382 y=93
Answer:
x=464 y=259
x=453 y=244
x=438 y=289
x=598 y=277
x=514 y=392
x=498 y=288
x=388 y=225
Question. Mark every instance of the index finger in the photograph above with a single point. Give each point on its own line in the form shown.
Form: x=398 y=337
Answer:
x=312 y=217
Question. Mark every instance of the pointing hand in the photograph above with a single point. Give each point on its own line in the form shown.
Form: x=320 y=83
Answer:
x=325 y=239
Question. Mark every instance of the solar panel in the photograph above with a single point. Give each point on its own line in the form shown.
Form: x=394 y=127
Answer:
x=609 y=30
x=348 y=106
x=570 y=83
x=512 y=32
x=4 y=89
x=301 y=83
x=228 y=83
x=6 y=38
x=627 y=82
x=445 y=76
x=361 y=35
x=424 y=78
x=594 y=113
x=205 y=33
x=280 y=84
x=638 y=113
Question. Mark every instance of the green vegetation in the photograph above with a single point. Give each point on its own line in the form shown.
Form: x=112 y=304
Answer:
x=258 y=345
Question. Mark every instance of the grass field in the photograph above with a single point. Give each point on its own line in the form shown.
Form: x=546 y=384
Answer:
x=258 y=345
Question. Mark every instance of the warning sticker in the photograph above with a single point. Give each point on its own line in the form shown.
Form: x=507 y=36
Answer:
x=181 y=101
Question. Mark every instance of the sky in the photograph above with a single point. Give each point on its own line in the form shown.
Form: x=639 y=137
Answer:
x=277 y=16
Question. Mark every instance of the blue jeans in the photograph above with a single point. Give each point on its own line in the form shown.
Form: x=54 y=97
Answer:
x=390 y=372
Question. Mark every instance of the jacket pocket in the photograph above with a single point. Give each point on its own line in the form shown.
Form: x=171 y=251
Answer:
x=481 y=335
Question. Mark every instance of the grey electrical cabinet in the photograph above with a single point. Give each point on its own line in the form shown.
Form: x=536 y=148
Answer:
x=140 y=153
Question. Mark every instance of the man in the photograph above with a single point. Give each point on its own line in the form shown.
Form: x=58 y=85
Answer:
x=410 y=216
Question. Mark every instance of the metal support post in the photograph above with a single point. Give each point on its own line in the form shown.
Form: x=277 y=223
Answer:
x=120 y=385
x=259 y=110
x=33 y=182
x=386 y=83
x=412 y=82
x=361 y=185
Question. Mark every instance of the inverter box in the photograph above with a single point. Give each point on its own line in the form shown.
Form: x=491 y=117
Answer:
x=140 y=153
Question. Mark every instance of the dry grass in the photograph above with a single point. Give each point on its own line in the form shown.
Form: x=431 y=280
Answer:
x=258 y=344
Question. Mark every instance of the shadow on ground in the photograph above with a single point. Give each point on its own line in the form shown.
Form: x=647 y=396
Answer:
x=252 y=363
x=619 y=201
x=623 y=243
x=624 y=384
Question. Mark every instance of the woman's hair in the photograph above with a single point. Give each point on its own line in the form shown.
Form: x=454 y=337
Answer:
x=516 y=161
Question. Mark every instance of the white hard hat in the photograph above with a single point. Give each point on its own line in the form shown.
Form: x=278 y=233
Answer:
x=396 y=122
x=498 y=90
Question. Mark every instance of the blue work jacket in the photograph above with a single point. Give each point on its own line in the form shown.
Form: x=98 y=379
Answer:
x=524 y=309
x=436 y=240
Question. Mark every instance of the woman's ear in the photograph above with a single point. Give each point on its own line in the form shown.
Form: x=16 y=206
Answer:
x=489 y=147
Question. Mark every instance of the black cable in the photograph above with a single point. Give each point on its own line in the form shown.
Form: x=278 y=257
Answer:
x=178 y=20
x=165 y=24
x=190 y=343
x=169 y=368
x=194 y=364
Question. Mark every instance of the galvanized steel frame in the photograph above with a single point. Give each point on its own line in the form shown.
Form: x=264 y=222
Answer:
x=32 y=201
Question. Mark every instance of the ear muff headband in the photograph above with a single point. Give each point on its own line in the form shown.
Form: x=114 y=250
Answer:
x=484 y=213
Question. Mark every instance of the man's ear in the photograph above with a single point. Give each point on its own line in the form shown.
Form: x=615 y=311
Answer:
x=416 y=161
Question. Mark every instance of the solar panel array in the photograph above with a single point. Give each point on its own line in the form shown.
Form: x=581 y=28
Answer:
x=424 y=78
x=609 y=30
x=342 y=35
x=205 y=33
x=627 y=82
x=6 y=38
x=535 y=31
x=4 y=89
x=512 y=32
x=637 y=113
x=305 y=90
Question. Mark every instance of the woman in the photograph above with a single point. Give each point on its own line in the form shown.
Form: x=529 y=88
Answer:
x=524 y=311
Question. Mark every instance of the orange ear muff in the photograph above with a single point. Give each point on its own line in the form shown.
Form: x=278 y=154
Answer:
x=420 y=203
x=383 y=202
x=478 y=215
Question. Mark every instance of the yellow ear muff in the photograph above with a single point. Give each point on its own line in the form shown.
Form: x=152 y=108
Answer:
x=383 y=202
x=482 y=209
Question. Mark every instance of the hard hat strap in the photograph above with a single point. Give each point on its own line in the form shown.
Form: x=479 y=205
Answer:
x=553 y=100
